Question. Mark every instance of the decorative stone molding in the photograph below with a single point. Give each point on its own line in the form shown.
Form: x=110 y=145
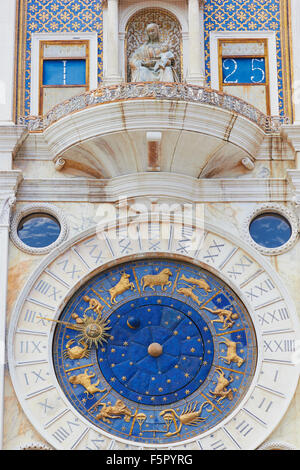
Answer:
x=248 y=163
x=161 y=185
x=5 y=208
x=32 y=209
x=293 y=177
x=159 y=91
x=35 y=446
x=9 y=182
x=289 y=214
x=276 y=445
x=11 y=137
x=59 y=164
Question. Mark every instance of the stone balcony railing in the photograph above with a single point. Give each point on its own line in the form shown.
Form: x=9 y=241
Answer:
x=156 y=91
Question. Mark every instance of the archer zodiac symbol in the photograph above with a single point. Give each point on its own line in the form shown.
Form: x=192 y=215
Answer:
x=201 y=283
x=221 y=388
x=231 y=355
x=109 y=412
x=123 y=285
x=226 y=317
x=161 y=279
x=188 y=417
x=85 y=381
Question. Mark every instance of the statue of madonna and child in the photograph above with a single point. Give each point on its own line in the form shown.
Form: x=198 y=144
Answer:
x=153 y=61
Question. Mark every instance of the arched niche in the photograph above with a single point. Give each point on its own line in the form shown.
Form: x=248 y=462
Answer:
x=170 y=32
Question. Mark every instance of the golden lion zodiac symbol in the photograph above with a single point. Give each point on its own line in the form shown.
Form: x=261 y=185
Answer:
x=161 y=279
x=85 y=381
x=225 y=317
x=188 y=417
x=221 y=388
x=188 y=292
x=231 y=353
x=109 y=412
x=123 y=285
x=201 y=283
x=94 y=305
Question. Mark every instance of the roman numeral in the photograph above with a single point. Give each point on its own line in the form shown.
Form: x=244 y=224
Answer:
x=214 y=251
x=260 y=289
x=45 y=288
x=63 y=432
x=239 y=268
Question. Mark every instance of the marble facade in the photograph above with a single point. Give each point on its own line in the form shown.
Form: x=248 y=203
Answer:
x=94 y=153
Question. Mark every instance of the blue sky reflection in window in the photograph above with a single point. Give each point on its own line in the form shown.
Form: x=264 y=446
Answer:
x=270 y=230
x=39 y=230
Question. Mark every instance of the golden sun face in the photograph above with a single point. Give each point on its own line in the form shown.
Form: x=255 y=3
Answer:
x=94 y=332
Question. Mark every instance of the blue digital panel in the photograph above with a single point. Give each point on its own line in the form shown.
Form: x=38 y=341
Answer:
x=53 y=72
x=243 y=70
x=39 y=230
x=270 y=230
x=142 y=348
x=64 y=72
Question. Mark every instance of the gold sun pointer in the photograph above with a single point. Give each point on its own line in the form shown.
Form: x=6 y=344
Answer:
x=91 y=331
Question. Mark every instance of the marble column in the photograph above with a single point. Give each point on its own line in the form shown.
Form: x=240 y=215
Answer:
x=112 y=66
x=9 y=181
x=295 y=18
x=11 y=137
x=7 y=56
x=196 y=71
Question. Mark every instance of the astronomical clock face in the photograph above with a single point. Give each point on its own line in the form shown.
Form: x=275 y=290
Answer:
x=154 y=350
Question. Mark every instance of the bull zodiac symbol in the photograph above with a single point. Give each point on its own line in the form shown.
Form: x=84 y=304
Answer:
x=123 y=285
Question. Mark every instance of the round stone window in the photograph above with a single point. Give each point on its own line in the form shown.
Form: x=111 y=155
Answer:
x=270 y=230
x=38 y=230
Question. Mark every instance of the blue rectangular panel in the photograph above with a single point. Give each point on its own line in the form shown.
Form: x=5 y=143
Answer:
x=244 y=70
x=53 y=72
x=64 y=72
x=75 y=72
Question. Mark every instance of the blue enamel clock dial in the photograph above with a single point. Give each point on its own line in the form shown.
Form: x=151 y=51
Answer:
x=154 y=351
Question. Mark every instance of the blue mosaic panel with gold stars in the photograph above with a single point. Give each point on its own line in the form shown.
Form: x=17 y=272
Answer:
x=244 y=15
x=154 y=350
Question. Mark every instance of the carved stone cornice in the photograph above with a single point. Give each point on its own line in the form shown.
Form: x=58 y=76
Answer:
x=158 y=184
x=292 y=134
x=11 y=138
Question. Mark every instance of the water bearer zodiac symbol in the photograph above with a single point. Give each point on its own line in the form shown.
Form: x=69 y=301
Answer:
x=226 y=317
